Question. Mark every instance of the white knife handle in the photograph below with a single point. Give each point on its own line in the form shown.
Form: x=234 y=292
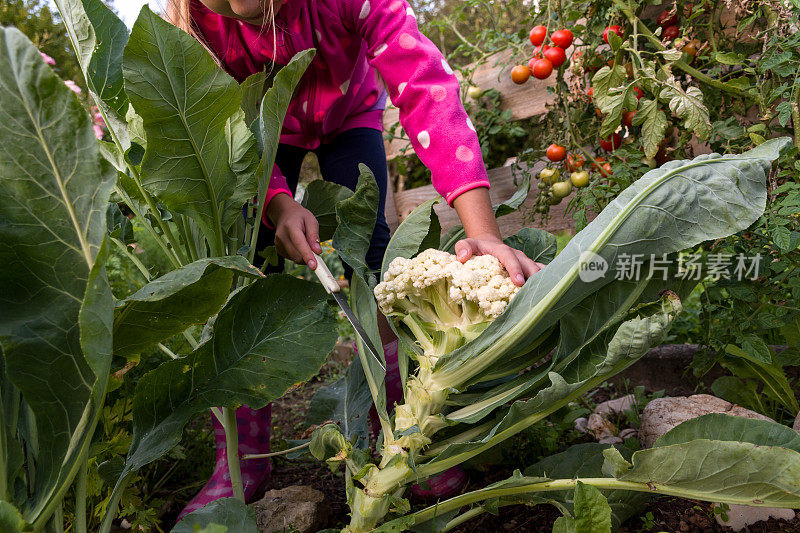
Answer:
x=325 y=276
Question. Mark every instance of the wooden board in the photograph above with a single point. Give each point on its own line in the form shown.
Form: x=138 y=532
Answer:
x=524 y=101
x=503 y=187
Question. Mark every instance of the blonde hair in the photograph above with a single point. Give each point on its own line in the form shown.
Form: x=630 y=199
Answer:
x=179 y=14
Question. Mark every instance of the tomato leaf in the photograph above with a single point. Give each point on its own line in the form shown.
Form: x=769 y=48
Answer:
x=688 y=105
x=604 y=80
x=618 y=100
x=653 y=122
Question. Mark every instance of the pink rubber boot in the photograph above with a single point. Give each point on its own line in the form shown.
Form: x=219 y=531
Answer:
x=253 y=430
x=442 y=486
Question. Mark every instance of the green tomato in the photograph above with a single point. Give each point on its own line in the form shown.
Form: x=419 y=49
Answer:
x=474 y=92
x=562 y=189
x=549 y=175
x=579 y=179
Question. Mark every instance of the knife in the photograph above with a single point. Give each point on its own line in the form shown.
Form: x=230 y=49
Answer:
x=334 y=289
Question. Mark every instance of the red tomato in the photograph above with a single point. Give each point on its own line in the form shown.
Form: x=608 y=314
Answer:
x=627 y=117
x=606 y=169
x=616 y=29
x=600 y=161
x=575 y=162
x=667 y=18
x=638 y=92
x=538 y=34
x=556 y=153
x=542 y=69
x=670 y=33
x=556 y=55
x=562 y=38
x=520 y=74
x=609 y=144
x=590 y=92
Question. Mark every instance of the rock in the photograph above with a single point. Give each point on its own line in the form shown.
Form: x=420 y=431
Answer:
x=610 y=440
x=742 y=516
x=796 y=425
x=663 y=414
x=616 y=407
x=297 y=508
x=628 y=433
x=600 y=426
x=581 y=424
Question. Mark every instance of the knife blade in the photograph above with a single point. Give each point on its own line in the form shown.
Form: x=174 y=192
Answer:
x=334 y=289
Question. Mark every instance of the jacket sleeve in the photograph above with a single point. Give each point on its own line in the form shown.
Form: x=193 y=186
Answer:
x=277 y=185
x=424 y=88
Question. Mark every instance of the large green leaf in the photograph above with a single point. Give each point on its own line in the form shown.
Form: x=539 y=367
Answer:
x=718 y=426
x=230 y=513
x=419 y=231
x=345 y=401
x=272 y=334
x=273 y=111
x=321 y=198
x=168 y=305
x=713 y=470
x=99 y=37
x=55 y=325
x=537 y=244
x=357 y=215
x=186 y=103
x=669 y=209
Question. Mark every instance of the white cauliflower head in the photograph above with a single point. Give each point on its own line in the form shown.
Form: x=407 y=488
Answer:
x=434 y=294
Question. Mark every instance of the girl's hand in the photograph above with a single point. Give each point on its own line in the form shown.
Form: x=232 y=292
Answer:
x=519 y=266
x=296 y=230
x=483 y=236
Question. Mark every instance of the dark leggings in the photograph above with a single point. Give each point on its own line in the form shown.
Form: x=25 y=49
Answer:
x=338 y=161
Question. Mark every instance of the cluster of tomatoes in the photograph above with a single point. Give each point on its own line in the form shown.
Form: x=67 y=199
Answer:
x=545 y=57
x=553 y=188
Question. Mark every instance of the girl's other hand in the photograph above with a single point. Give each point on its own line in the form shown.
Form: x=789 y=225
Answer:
x=296 y=230
x=519 y=266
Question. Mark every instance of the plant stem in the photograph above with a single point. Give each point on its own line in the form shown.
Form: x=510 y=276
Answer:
x=133 y=259
x=464 y=517
x=232 y=444
x=113 y=505
x=80 y=499
x=167 y=351
x=169 y=253
x=565 y=484
x=276 y=454
x=796 y=115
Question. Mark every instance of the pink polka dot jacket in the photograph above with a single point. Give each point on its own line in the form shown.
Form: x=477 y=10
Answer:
x=356 y=40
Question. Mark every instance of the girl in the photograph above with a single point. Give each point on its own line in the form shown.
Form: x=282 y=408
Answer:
x=337 y=113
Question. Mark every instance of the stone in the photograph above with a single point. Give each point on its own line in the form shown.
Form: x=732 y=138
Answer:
x=796 y=425
x=617 y=406
x=742 y=516
x=297 y=508
x=628 y=433
x=581 y=424
x=610 y=440
x=600 y=426
x=663 y=414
